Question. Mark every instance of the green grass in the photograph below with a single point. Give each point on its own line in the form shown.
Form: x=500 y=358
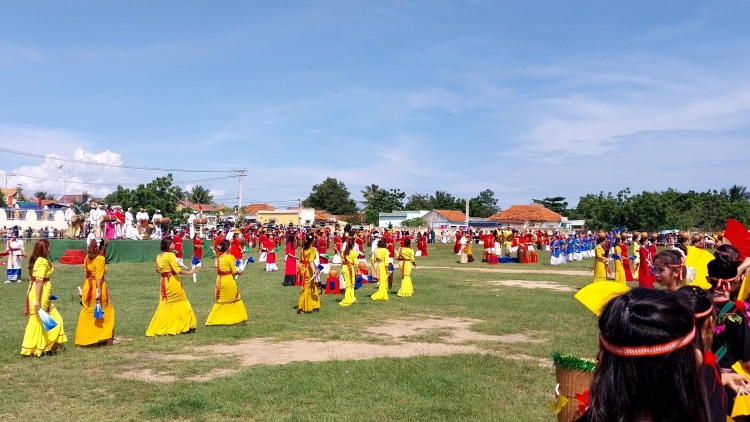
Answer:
x=80 y=384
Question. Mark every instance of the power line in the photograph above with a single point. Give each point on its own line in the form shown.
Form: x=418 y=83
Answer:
x=94 y=163
x=114 y=183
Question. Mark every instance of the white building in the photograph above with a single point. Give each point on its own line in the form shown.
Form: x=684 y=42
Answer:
x=398 y=217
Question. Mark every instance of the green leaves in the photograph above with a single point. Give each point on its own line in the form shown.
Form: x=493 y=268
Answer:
x=200 y=195
x=572 y=363
x=157 y=194
x=331 y=196
x=384 y=201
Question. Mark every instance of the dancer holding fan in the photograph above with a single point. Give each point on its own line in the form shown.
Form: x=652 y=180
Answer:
x=229 y=308
x=44 y=331
x=96 y=322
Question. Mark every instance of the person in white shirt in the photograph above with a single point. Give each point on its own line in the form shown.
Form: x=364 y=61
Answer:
x=16 y=252
x=157 y=216
x=141 y=217
x=94 y=220
x=129 y=217
x=190 y=221
x=73 y=228
x=131 y=232
x=90 y=237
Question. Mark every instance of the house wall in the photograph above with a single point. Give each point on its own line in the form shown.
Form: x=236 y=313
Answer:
x=36 y=219
x=276 y=217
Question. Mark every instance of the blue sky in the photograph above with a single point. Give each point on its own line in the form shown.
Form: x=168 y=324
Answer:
x=529 y=99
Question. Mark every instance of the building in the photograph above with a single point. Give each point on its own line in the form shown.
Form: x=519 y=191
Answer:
x=254 y=208
x=295 y=216
x=184 y=204
x=67 y=199
x=396 y=218
x=534 y=216
x=444 y=219
x=572 y=225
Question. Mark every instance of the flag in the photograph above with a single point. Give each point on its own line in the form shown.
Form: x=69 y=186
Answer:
x=39 y=202
x=10 y=200
x=200 y=207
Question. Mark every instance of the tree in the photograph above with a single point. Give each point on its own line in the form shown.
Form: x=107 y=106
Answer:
x=418 y=202
x=368 y=192
x=3 y=201
x=556 y=204
x=442 y=200
x=160 y=194
x=200 y=195
x=44 y=195
x=331 y=196
x=384 y=201
x=736 y=193
x=414 y=222
x=484 y=205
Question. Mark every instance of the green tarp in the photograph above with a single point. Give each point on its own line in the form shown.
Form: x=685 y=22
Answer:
x=125 y=250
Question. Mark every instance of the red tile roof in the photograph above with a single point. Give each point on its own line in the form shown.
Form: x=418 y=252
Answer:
x=452 y=215
x=321 y=215
x=194 y=206
x=66 y=199
x=533 y=212
x=254 y=208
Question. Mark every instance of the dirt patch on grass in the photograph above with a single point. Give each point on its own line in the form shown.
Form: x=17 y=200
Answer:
x=527 y=284
x=455 y=333
x=513 y=270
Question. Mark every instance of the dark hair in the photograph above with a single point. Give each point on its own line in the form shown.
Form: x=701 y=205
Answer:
x=728 y=250
x=223 y=246
x=697 y=301
x=347 y=228
x=166 y=243
x=93 y=249
x=668 y=257
x=309 y=239
x=665 y=388
x=290 y=237
x=723 y=267
x=407 y=242
x=349 y=245
x=41 y=250
x=382 y=243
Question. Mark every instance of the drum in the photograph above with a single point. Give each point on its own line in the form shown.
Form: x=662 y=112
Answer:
x=107 y=219
x=146 y=231
x=76 y=219
x=161 y=221
x=200 y=221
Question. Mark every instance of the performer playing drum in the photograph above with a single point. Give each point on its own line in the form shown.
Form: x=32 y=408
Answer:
x=156 y=219
x=72 y=219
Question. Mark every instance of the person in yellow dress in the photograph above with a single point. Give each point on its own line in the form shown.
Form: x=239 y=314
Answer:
x=619 y=267
x=381 y=258
x=406 y=256
x=309 y=298
x=349 y=269
x=600 y=260
x=174 y=315
x=92 y=331
x=229 y=308
x=37 y=340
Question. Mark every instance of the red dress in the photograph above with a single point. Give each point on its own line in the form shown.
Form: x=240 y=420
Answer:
x=271 y=257
x=177 y=246
x=236 y=248
x=646 y=279
x=422 y=245
x=626 y=262
x=198 y=248
x=322 y=248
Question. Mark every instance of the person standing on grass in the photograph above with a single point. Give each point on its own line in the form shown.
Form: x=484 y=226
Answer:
x=290 y=264
x=406 y=261
x=381 y=260
x=91 y=330
x=625 y=257
x=645 y=275
x=15 y=251
x=229 y=308
x=309 y=298
x=618 y=257
x=349 y=268
x=174 y=315
x=600 y=260
x=37 y=340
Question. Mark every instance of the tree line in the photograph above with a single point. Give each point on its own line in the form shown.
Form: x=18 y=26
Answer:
x=669 y=209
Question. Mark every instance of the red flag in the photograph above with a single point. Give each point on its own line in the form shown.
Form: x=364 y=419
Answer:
x=10 y=200
x=39 y=202
x=200 y=207
x=737 y=233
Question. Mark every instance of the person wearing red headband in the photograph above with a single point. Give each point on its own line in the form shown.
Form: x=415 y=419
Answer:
x=649 y=362
x=669 y=268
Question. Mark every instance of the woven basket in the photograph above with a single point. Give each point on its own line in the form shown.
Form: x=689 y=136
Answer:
x=571 y=383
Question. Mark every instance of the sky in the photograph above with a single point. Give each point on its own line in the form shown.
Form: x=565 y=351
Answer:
x=530 y=99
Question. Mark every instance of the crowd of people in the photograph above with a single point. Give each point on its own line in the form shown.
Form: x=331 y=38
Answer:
x=307 y=258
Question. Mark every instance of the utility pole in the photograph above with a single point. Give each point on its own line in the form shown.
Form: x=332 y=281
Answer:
x=467 y=211
x=239 y=174
x=8 y=176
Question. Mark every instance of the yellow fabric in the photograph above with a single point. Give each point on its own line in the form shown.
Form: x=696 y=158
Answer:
x=91 y=330
x=229 y=309
x=744 y=289
x=309 y=299
x=619 y=268
x=600 y=268
x=741 y=406
x=349 y=270
x=174 y=315
x=596 y=295
x=36 y=339
x=406 y=256
x=382 y=293
x=699 y=259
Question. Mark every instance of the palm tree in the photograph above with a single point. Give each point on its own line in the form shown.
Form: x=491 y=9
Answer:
x=736 y=193
x=44 y=195
x=200 y=195
x=369 y=192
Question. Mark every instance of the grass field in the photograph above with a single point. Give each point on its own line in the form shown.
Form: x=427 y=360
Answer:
x=508 y=380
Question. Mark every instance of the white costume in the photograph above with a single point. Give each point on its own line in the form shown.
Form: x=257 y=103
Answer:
x=131 y=232
x=141 y=216
x=157 y=216
x=15 y=257
x=190 y=220
x=72 y=229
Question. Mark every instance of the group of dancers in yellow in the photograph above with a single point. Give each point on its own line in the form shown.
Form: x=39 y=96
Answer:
x=174 y=314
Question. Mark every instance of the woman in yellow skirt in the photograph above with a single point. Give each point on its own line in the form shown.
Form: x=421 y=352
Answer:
x=92 y=331
x=229 y=308
x=381 y=258
x=406 y=256
x=600 y=260
x=174 y=315
x=309 y=298
x=618 y=258
x=37 y=340
x=350 y=258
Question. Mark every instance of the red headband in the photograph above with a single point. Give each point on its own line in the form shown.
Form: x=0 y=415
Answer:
x=641 y=351
x=705 y=313
x=725 y=283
